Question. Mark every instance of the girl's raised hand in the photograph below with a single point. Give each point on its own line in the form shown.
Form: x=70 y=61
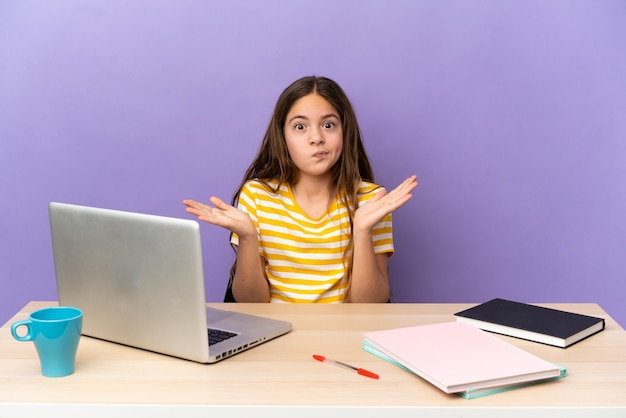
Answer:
x=223 y=215
x=383 y=203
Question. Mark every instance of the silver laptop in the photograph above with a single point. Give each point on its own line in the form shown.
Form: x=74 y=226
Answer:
x=139 y=281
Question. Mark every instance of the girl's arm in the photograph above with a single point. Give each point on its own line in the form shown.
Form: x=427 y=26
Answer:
x=250 y=283
x=370 y=278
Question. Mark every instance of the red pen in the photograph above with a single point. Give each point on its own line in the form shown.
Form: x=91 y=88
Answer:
x=359 y=370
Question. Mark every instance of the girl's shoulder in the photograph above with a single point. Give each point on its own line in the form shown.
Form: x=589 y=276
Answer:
x=368 y=189
x=258 y=186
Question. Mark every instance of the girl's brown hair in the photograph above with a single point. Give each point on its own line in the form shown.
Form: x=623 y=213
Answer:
x=273 y=163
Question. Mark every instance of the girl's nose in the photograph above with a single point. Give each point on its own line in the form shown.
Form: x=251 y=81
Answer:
x=316 y=138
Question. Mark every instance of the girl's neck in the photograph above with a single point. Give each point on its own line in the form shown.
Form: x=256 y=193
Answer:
x=313 y=187
x=314 y=195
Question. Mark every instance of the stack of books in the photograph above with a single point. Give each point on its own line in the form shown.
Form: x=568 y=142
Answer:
x=460 y=358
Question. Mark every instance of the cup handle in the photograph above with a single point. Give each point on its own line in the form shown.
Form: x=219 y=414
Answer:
x=28 y=336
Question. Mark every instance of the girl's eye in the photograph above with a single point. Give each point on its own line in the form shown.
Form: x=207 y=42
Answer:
x=328 y=125
x=299 y=126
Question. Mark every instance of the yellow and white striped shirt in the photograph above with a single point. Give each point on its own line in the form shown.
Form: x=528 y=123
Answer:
x=305 y=256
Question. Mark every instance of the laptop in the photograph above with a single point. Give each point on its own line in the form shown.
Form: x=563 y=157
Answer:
x=139 y=281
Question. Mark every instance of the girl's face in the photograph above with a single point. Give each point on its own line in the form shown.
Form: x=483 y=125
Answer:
x=314 y=135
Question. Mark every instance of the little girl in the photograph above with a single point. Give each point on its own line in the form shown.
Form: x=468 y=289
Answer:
x=309 y=224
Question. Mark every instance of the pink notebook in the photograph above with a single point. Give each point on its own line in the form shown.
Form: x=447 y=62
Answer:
x=457 y=357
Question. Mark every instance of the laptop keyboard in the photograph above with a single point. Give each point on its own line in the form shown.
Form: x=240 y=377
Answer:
x=218 y=335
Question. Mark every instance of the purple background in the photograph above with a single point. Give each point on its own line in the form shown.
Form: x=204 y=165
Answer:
x=512 y=113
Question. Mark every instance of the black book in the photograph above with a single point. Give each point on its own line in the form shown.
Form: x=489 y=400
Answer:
x=531 y=322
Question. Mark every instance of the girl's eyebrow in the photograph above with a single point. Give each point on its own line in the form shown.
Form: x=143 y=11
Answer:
x=330 y=115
